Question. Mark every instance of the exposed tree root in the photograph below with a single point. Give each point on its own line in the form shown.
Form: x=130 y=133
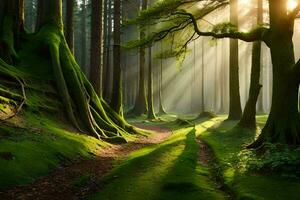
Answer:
x=84 y=108
x=9 y=72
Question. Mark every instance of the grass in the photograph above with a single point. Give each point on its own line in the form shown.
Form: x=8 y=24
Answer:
x=169 y=170
x=43 y=145
x=227 y=143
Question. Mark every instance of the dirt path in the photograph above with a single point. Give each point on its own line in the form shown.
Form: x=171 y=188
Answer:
x=60 y=184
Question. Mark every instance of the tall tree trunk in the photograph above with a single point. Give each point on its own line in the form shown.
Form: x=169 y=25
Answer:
x=222 y=83
x=96 y=44
x=249 y=116
x=70 y=24
x=151 y=113
x=106 y=53
x=202 y=78
x=216 y=86
x=283 y=124
x=140 y=106
x=161 y=109
x=235 y=108
x=30 y=15
x=12 y=27
x=83 y=38
x=116 y=101
x=39 y=14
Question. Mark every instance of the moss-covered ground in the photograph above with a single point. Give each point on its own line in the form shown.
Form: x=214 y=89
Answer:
x=227 y=143
x=41 y=144
x=172 y=169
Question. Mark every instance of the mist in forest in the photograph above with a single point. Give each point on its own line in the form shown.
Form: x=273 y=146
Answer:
x=182 y=89
x=181 y=83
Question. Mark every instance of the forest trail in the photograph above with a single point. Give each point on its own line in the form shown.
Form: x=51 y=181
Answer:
x=178 y=168
x=168 y=165
x=80 y=179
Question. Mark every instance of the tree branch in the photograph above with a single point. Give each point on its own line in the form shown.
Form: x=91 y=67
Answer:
x=260 y=33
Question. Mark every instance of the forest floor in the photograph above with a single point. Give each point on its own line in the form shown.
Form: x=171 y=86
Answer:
x=80 y=179
x=194 y=159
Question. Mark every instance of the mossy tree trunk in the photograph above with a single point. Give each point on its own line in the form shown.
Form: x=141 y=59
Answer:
x=70 y=24
x=116 y=100
x=12 y=28
x=249 y=116
x=235 y=108
x=283 y=124
x=96 y=44
x=140 y=106
x=85 y=110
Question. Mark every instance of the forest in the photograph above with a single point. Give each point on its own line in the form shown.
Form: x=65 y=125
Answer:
x=149 y=99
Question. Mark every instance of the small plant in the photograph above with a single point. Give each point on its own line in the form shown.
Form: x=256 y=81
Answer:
x=277 y=159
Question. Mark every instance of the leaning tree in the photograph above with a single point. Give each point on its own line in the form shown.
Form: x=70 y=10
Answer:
x=283 y=124
x=84 y=109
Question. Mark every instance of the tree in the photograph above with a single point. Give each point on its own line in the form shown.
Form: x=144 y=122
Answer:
x=83 y=37
x=116 y=101
x=84 y=109
x=30 y=15
x=161 y=110
x=249 y=116
x=70 y=24
x=96 y=44
x=140 y=106
x=12 y=28
x=151 y=113
x=106 y=49
x=284 y=119
x=235 y=108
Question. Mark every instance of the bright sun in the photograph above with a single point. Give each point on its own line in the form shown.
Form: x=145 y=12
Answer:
x=291 y=4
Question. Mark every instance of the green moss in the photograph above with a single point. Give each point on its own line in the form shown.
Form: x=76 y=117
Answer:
x=227 y=143
x=169 y=170
x=40 y=147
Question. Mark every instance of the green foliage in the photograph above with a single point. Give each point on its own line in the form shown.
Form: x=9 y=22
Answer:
x=277 y=159
x=234 y=161
x=225 y=27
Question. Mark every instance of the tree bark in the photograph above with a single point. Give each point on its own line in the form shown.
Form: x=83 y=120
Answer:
x=249 y=116
x=84 y=109
x=83 y=38
x=106 y=45
x=12 y=28
x=96 y=44
x=283 y=124
x=141 y=106
x=70 y=24
x=235 y=108
x=116 y=101
x=151 y=113
x=161 y=109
